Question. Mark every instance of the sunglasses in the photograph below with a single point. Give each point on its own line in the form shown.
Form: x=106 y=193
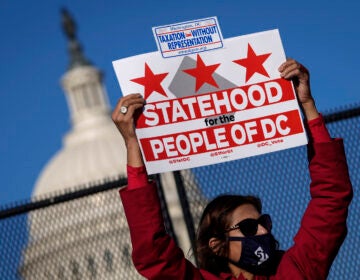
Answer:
x=249 y=227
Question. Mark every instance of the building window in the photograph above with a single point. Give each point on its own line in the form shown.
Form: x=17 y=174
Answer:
x=91 y=266
x=47 y=275
x=61 y=273
x=75 y=270
x=126 y=258
x=108 y=257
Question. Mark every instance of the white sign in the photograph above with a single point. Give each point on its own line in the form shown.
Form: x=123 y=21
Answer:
x=188 y=37
x=215 y=106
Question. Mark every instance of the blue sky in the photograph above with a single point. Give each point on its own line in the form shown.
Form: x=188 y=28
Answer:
x=34 y=116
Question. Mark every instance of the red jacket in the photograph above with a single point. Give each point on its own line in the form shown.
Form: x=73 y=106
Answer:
x=322 y=231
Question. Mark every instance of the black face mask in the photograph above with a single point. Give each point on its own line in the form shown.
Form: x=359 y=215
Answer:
x=258 y=254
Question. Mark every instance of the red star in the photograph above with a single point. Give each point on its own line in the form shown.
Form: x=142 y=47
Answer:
x=151 y=82
x=202 y=73
x=253 y=63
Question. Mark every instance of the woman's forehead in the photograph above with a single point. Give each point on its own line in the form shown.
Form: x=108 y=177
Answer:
x=243 y=212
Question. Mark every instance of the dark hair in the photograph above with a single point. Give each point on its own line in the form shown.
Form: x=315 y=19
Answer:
x=213 y=222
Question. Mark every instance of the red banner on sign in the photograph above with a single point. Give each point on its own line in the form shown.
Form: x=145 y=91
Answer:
x=226 y=136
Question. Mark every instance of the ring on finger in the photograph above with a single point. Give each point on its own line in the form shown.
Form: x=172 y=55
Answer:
x=123 y=109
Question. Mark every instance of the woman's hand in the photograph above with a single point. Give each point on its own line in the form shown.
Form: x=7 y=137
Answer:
x=293 y=70
x=124 y=117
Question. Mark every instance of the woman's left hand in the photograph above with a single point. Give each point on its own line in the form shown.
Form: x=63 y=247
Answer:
x=293 y=70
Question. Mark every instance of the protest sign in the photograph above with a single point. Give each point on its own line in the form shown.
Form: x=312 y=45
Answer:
x=214 y=106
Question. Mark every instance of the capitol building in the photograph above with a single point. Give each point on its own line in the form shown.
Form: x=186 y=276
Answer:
x=87 y=237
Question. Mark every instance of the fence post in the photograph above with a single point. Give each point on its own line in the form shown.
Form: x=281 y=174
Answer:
x=164 y=209
x=186 y=210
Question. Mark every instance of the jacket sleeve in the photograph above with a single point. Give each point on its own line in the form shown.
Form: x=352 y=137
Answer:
x=323 y=226
x=155 y=254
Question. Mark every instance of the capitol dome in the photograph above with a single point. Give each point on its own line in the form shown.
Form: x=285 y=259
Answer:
x=93 y=151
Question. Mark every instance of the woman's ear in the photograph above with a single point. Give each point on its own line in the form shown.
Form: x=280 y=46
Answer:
x=214 y=245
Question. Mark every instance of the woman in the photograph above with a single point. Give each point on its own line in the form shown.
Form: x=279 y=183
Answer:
x=234 y=240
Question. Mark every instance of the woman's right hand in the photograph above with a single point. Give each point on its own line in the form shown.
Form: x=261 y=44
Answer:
x=125 y=123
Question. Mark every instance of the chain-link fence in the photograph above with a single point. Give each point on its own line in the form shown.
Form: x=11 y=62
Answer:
x=83 y=234
x=69 y=236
